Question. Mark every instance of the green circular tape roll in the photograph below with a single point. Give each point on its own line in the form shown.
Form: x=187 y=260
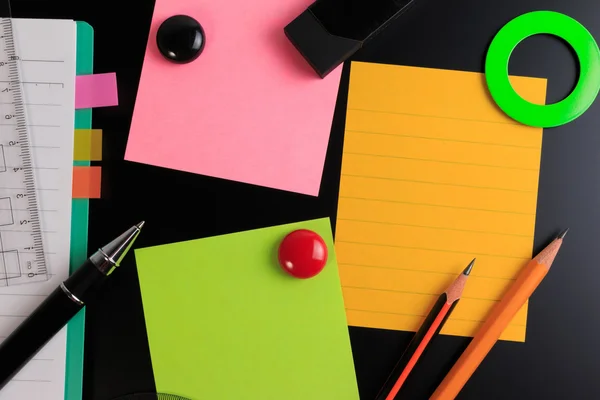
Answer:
x=552 y=23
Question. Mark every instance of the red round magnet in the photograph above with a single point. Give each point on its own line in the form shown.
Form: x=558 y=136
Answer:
x=303 y=253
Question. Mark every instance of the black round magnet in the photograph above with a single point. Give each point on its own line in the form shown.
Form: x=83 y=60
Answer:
x=180 y=39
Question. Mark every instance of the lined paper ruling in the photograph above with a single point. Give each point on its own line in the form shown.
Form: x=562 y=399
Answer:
x=433 y=175
x=47 y=51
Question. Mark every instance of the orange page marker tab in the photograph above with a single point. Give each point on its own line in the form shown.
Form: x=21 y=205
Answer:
x=86 y=182
x=88 y=145
x=433 y=175
x=96 y=90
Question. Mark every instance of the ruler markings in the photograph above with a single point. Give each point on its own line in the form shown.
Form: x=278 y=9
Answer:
x=30 y=258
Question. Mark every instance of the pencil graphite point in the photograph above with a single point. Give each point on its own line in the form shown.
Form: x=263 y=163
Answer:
x=467 y=270
x=563 y=234
x=548 y=255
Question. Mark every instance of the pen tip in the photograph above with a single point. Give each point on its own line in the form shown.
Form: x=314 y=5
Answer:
x=467 y=270
x=563 y=234
x=140 y=225
x=116 y=250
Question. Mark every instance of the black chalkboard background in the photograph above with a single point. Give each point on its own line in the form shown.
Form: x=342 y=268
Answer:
x=560 y=358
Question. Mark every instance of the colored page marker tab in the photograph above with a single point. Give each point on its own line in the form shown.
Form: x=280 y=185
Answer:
x=96 y=90
x=86 y=182
x=88 y=145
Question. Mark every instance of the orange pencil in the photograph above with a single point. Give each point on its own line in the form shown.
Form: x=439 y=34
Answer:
x=499 y=318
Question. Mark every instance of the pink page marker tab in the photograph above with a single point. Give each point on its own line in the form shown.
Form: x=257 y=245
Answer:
x=97 y=90
x=248 y=109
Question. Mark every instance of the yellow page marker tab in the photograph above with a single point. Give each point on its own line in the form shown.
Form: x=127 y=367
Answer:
x=88 y=145
x=433 y=174
x=96 y=145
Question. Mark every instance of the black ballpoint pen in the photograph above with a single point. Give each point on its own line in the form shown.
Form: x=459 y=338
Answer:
x=62 y=305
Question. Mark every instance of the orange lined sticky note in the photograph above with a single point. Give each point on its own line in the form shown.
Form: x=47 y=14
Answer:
x=86 y=182
x=88 y=145
x=433 y=175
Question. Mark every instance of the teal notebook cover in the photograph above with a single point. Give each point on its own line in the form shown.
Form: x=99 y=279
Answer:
x=79 y=227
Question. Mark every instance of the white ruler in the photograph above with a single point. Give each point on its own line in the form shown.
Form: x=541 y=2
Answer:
x=22 y=257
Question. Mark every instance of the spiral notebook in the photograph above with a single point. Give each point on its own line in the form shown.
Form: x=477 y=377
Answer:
x=50 y=54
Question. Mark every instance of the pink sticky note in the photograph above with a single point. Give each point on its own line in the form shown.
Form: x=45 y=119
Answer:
x=97 y=90
x=249 y=109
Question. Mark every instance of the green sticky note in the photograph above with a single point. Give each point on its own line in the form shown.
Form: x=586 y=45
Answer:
x=224 y=321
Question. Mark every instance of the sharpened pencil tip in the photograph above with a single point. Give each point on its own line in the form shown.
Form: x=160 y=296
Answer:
x=140 y=225
x=467 y=270
x=563 y=234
